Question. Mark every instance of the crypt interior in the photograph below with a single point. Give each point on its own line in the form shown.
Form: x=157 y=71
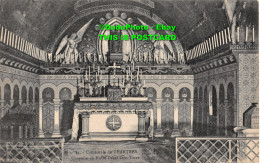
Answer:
x=58 y=79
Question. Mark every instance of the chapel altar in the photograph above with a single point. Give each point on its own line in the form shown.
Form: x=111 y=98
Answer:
x=115 y=111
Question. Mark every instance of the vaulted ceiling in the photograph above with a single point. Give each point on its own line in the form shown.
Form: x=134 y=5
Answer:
x=38 y=21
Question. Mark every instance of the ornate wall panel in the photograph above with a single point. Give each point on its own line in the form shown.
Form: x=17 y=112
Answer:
x=248 y=82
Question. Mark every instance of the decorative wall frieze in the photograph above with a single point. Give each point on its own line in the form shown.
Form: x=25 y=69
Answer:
x=227 y=70
x=113 y=106
x=214 y=63
x=14 y=71
x=105 y=77
x=13 y=58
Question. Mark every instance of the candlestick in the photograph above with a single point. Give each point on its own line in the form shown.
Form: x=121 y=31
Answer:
x=246 y=32
x=220 y=43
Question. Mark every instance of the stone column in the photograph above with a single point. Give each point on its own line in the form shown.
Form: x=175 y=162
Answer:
x=226 y=114
x=40 y=134
x=20 y=132
x=151 y=123
x=176 y=131
x=11 y=102
x=20 y=101
x=85 y=127
x=31 y=131
x=158 y=132
x=25 y=131
x=12 y=132
x=191 y=117
x=2 y=102
x=56 y=131
x=141 y=126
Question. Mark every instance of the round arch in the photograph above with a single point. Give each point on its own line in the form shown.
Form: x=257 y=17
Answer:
x=50 y=85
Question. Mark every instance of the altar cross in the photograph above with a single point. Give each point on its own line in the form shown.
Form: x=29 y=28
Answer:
x=113 y=123
x=114 y=67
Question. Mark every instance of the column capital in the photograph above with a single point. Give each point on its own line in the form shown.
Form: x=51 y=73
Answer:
x=85 y=115
x=56 y=101
x=176 y=99
x=141 y=114
x=159 y=100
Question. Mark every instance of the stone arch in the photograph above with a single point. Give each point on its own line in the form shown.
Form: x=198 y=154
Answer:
x=16 y=82
x=221 y=115
x=23 y=83
x=16 y=94
x=151 y=93
x=36 y=94
x=167 y=93
x=230 y=109
x=48 y=85
x=232 y=80
x=214 y=83
x=24 y=94
x=30 y=95
x=187 y=85
x=71 y=87
x=48 y=95
x=164 y=85
x=8 y=81
x=7 y=94
x=65 y=94
x=156 y=87
x=184 y=93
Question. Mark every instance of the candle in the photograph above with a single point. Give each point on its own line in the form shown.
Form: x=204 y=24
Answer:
x=220 y=41
x=223 y=41
x=237 y=34
x=144 y=83
x=96 y=76
x=2 y=33
x=229 y=39
x=98 y=70
x=217 y=40
x=253 y=33
x=246 y=32
x=226 y=36
x=4 y=40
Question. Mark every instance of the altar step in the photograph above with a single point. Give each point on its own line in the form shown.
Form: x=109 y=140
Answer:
x=108 y=136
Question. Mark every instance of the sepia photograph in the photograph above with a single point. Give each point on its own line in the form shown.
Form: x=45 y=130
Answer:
x=129 y=81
